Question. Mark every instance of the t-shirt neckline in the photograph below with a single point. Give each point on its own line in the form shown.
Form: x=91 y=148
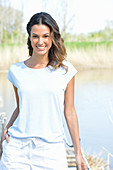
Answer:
x=34 y=68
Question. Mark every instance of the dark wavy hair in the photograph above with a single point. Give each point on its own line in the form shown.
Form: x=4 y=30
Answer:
x=57 y=52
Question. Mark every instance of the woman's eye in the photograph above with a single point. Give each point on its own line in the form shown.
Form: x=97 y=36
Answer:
x=34 y=36
x=46 y=36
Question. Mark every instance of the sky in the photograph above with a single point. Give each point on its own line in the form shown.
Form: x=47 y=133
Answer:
x=88 y=15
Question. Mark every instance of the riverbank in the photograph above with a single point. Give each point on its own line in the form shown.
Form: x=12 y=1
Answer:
x=91 y=56
x=12 y=54
x=87 y=55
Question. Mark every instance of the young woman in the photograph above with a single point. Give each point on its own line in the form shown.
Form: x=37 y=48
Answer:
x=44 y=89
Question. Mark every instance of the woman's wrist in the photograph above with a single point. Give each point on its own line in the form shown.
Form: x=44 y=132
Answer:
x=77 y=150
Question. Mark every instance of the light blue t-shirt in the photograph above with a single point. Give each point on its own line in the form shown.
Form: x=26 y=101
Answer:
x=41 y=100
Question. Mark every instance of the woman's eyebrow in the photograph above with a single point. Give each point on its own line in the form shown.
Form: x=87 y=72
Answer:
x=43 y=34
x=34 y=34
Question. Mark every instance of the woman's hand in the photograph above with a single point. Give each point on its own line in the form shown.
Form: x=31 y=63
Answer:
x=5 y=135
x=81 y=162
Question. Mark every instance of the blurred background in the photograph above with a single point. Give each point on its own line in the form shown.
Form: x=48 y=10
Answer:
x=87 y=30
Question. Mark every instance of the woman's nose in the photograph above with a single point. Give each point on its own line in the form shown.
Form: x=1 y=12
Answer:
x=40 y=41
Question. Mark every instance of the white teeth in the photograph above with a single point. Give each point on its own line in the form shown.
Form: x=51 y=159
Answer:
x=40 y=47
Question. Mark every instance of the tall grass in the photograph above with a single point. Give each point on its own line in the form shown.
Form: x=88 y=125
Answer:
x=91 y=55
x=11 y=54
x=84 y=55
x=94 y=161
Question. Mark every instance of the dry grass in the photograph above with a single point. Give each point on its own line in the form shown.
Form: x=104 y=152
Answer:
x=12 y=54
x=95 y=161
x=82 y=58
x=91 y=58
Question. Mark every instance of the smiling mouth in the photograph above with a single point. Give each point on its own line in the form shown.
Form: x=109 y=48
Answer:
x=41 y=48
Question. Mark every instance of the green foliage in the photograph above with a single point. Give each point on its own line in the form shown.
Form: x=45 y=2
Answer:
x=100 y=36
x=85 y=45
x=11 y=21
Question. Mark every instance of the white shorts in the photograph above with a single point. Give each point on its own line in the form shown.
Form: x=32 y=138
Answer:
x=33 y=154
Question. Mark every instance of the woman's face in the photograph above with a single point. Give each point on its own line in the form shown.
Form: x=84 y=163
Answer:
x=40 y=39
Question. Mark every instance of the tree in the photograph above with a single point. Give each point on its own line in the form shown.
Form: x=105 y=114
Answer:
x=11 y=21
x=66 y=17
x=63 y=14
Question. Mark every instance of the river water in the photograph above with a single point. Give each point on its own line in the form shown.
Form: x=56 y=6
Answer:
x=94 y=106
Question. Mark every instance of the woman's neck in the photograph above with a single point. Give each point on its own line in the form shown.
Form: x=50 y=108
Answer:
x=39 y=60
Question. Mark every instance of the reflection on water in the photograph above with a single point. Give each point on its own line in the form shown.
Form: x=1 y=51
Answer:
x=93 y=95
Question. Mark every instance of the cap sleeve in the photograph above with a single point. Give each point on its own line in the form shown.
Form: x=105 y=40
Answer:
x=10 y=75
x=71 y=71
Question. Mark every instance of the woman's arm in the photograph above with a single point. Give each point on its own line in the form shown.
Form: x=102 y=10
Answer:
x=13 y=117
x=72 y=122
